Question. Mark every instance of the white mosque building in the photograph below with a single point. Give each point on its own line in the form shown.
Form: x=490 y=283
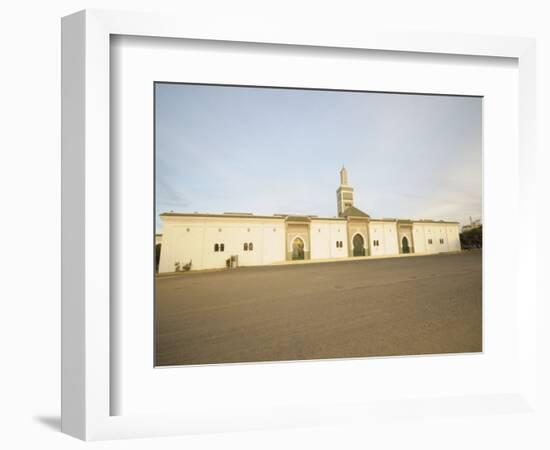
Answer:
x=208 y=241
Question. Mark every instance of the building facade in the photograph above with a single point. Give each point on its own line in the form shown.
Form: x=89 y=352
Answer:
x=208 y=241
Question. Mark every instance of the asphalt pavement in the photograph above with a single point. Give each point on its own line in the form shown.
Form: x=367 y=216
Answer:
x=383 y=307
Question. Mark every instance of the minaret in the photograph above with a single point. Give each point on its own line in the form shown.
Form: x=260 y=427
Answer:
x=344 y=193
x=343 y=176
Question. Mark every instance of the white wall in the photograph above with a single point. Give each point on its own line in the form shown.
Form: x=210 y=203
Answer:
x=419 y=238
x=423 y=232
x=324 y=234
x=320 y=240
x=376 y=232
x=339 y=232
x=442 y=242
x=193 y=239
x=274 y=242
x=386 y=234
x=181 y=245
x=453 y=237
x=429 y=238
x=390 y=239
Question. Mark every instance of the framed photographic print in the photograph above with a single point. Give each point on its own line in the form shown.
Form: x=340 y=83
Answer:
x=263 y=229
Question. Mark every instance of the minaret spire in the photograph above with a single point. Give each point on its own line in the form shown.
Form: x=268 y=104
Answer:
x=344 y=193
x=343 y=176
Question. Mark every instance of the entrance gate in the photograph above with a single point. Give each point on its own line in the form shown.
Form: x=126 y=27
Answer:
x=298 y=249
x=358 y=245
x=405 y=245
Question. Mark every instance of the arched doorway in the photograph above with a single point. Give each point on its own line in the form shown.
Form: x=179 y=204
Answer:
x=358 y=245
x=405 y=245
x=298 y=249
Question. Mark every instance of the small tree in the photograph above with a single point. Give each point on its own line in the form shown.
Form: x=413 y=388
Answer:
x=472 y=238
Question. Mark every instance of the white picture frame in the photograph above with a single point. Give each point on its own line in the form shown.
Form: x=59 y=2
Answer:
x=86 y=245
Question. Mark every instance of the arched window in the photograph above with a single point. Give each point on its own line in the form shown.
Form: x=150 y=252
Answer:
x=222 y=246
x=245 y=247
x=216 y=248
x=250 y=246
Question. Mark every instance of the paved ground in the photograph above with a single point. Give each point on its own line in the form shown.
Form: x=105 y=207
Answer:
x=399 y=306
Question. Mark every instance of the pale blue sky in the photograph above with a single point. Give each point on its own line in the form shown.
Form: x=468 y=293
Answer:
x=266 y=151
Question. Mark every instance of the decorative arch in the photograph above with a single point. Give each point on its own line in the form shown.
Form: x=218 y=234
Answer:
x=298 y=248
x=297 y=236
x=358 y=243
x=405 y=245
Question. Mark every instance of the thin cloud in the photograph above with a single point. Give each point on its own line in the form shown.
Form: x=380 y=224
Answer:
x=270 y=150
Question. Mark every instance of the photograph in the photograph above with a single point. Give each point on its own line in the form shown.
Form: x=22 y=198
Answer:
x=296 y=224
